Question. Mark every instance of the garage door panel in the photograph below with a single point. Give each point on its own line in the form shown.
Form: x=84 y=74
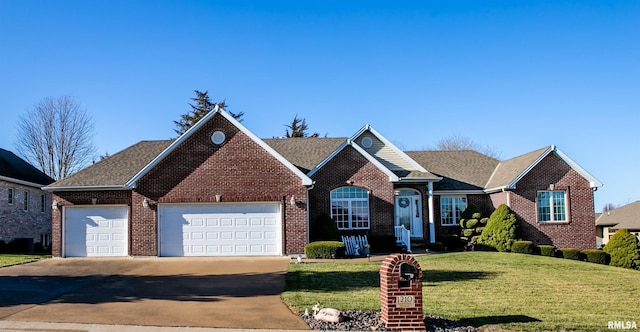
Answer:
x=219 y=230
x=96 y=231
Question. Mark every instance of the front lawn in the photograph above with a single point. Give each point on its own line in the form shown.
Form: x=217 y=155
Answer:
x=515 y=291
x=13 y=259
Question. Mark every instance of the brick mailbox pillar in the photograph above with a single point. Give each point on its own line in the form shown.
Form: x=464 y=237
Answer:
x=401 y=293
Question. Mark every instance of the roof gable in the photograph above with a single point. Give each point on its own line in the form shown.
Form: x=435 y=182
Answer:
x=509 y=172
x=16 y=169
x=305 y=152
x=217 y=110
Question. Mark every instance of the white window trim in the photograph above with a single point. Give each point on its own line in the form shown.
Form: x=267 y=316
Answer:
x=551 y=208
x=350 y=215
x=455 y=217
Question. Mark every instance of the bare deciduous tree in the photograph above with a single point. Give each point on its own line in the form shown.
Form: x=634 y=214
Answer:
x=458 y=142
x=56 y=134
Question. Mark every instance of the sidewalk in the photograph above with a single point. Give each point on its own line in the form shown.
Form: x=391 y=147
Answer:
x=16 y=326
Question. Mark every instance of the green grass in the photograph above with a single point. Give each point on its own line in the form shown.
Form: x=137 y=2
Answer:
x=13 y=259
x=514 y=291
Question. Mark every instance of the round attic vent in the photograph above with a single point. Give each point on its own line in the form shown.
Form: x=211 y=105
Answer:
x=367 y=142
x=218 y=137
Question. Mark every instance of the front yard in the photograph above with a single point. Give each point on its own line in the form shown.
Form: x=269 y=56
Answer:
x=13 y=259
x=514 y=291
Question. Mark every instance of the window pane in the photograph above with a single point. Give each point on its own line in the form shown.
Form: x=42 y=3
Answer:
x=10 y=196
x=544 y=206
x=559 y=208
x=350 y=207
x=446 y=210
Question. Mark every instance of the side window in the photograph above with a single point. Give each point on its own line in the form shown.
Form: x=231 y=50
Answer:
x=451 y=208
x=10 y=196
x=26 y=201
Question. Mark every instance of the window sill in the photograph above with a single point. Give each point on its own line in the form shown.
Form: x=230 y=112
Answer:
x=553 y=222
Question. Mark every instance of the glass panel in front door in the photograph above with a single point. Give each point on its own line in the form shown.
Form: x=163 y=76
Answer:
x=405 y=213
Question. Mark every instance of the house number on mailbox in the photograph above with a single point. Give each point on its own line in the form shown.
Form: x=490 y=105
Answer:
x=405 y=301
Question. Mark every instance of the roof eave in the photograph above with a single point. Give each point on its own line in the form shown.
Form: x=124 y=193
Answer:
x=86 y=188
x=22 y=182
x=436 y=179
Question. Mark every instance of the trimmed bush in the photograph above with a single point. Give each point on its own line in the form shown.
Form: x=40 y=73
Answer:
x=436 y=246
x=484 y=221
x=624 y=249
x=476 y=215
x=500 y=232
x=468 y=232
x=546 y=250
x=471 y=223
x=470 y=211
x=596 y=256
x=570 y=253
x=522 y=247
x=324 y=229
x=324 y=249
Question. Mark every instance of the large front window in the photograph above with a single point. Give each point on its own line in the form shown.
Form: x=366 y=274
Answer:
x=552 y=206
x=350 y=208
x=451 y=208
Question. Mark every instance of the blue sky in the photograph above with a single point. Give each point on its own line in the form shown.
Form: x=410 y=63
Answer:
x=513 y=75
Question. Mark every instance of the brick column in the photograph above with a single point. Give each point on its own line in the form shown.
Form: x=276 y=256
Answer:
x=401 y=293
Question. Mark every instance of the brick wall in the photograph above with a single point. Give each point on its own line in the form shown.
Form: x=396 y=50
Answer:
x=349 y=165
x=579 y=231
x=239 y=170
x=15 y=222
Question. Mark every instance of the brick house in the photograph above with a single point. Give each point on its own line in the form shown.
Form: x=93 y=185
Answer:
x=25 y=210
x=623 y=217
x=218 y=190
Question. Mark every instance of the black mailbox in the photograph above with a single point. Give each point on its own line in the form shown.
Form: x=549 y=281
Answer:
x=408 y=273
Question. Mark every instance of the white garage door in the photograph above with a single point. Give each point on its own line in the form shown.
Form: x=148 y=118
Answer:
x=95 y=231
x=220 y=230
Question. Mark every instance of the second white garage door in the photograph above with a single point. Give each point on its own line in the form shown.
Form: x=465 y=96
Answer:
x=220 y=230
x=95 y=231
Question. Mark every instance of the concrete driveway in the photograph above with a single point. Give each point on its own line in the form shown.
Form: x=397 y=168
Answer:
x=198 y=292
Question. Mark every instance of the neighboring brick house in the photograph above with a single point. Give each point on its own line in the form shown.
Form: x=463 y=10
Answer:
x=624 y=217
x=25 y=210
x=218 y=190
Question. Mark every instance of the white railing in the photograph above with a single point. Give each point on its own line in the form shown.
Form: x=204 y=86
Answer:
x=403 y=236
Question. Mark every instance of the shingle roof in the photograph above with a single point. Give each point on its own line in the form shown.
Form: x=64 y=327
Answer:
x=305 y=153
x=627 y=217
x=14 y=167
x=117 y=169
x=510 y=169
x=461 y=170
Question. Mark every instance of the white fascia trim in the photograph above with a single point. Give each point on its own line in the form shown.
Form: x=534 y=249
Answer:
x=512 y=184
x=593 y=182
x=86 y=188
x=370 y=158
x=306 y=181
x=329 y=157
x=497 y=189
x=21 y=182
x=389 y=144
x=436 y=179
x=459 y=192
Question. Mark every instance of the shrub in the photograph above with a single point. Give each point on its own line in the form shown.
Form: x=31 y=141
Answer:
x=500 y=232
x=436 y=246
x=476 y=215
x=451 y=241
x=596 y=256
x=324 y=229
x=324 y=249
x=471 y=223
x=546 y=250
x=468 y=232
x=484 y=221
x=470 y=211
x=570 y=253
x=624 y=250
x=382 y=243
x=522 y=247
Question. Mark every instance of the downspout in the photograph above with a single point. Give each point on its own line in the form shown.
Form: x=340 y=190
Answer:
x=432 y=225
x=308 y=212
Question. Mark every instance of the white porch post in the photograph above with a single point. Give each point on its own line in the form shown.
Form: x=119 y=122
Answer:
x=432 y=223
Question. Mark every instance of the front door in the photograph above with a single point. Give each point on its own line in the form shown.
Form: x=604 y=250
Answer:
x=408 y=210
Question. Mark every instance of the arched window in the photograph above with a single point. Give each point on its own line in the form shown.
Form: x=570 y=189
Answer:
x=350 y=207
